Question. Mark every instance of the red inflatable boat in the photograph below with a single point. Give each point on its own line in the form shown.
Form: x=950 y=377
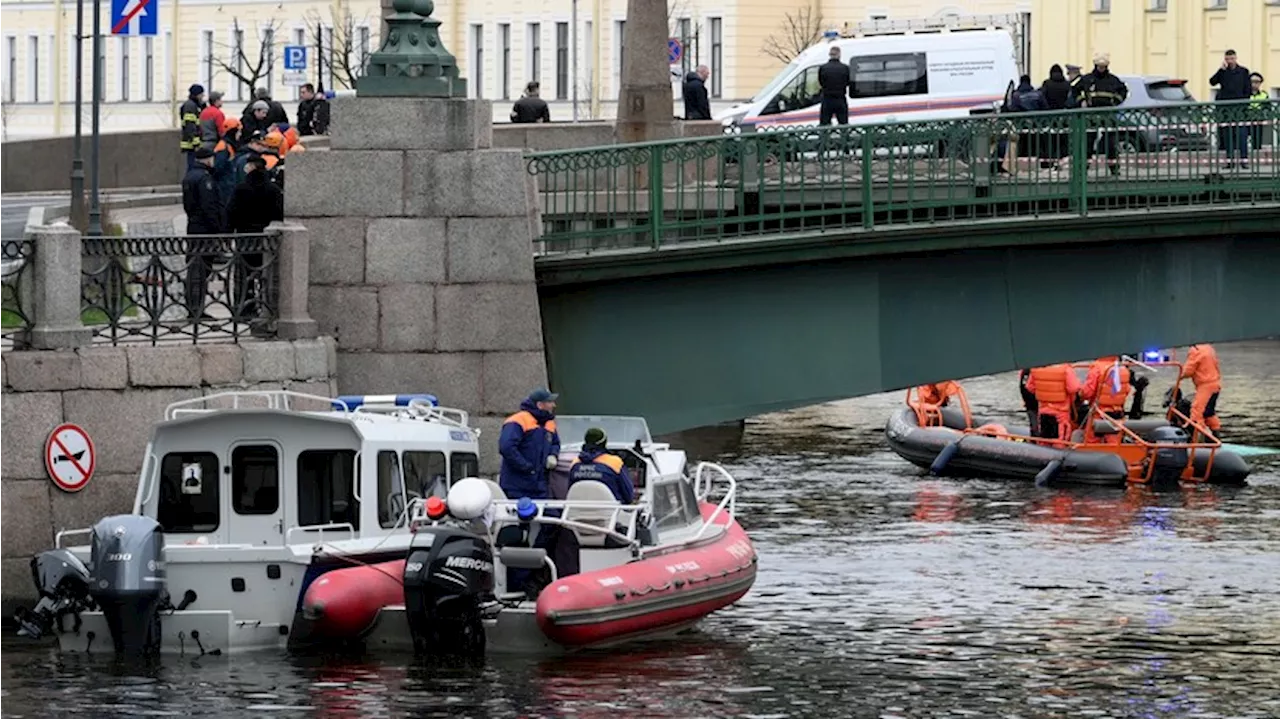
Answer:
x=656 y=594
x=344 y=603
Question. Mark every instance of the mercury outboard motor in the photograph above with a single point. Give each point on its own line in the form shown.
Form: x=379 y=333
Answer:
x=1168 y=461
x=63 y=583
x=128 y=580
x=448 y=574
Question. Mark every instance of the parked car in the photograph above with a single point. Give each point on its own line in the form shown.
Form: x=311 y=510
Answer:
x=1157 y=125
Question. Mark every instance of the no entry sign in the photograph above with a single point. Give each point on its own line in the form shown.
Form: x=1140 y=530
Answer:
x=69 y=456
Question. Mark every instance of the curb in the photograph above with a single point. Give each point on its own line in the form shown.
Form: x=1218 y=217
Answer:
x=63 y=212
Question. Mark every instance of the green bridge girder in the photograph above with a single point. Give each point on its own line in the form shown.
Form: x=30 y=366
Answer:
x=699 y=334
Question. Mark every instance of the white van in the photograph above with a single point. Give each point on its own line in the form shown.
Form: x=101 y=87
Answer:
x=921 y=76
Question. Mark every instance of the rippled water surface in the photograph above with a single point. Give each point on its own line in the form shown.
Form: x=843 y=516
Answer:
x=881 y=594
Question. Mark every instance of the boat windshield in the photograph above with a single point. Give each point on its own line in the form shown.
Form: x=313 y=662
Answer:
x=619 y=430
x=776 y=82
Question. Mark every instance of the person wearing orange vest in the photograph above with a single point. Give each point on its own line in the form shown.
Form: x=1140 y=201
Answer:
x=530 y=446
x=596 y=463
x=1055 y=387
x=1107 y=385
x=938 y=393
x=1202 y=367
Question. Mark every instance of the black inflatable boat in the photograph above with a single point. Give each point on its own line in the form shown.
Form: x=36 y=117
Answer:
x=950 y=451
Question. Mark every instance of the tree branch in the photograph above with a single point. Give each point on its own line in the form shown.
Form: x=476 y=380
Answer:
x=242 y=68
x=799 y=32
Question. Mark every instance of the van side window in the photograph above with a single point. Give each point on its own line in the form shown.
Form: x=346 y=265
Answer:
x=424 y=474
x=325 y=487
x=802 y=91
x=463 y=464
x=189 y=498
x=391 y=500
x=887 y=75
x=255 y=479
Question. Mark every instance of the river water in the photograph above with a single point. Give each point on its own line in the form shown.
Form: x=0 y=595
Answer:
x=880 y=594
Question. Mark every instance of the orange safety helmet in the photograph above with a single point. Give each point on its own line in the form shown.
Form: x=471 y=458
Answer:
x=291 y=137
x=274 y=140
x=228 y=124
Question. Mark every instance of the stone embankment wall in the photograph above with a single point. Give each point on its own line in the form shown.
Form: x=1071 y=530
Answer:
x=116 y=394
x=421 y=237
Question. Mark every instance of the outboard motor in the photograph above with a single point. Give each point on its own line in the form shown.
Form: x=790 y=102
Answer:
x=448 y=575
x=128 y=580
x=1168 y=461
x=63 y=583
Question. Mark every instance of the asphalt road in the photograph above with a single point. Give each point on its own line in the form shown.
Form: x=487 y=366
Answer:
x=14 y=210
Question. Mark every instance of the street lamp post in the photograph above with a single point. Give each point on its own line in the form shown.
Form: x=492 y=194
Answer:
x=95 y=210
x=77 y=161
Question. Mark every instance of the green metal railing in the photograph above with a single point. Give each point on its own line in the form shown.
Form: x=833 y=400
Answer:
x=863 y=178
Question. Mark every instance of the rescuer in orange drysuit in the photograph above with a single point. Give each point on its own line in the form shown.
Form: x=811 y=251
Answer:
x=1202 y=367
x=1055 y=387
x=938 y=393
x=1107 y=386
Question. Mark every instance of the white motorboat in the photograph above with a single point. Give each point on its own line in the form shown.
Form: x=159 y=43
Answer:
x=253 y=505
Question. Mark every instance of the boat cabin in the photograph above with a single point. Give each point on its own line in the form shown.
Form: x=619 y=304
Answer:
x=255 y=468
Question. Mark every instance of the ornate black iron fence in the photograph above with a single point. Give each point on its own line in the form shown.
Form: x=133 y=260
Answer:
x=16 y=272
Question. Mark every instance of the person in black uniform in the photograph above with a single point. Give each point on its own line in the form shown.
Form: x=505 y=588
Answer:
x=530 y=107
x=1102 y=89
x=203 y=205
x=833 y=78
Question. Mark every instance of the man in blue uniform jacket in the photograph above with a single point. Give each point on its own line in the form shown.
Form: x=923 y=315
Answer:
x=597 y=464
x=530 y=447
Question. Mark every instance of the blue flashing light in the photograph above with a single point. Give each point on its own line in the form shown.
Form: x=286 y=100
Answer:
x=831 y=34
x=349 y=402
x=1151 y=354
x=526 y=509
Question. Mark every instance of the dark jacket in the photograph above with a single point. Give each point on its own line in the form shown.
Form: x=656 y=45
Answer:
x=1232 y=82
x=528 y=437
x=250 y=124
x=1056 y=90
x=201 y=202
x=313 y=116
x=276 y=113
x=530 y=109
x=1102 y=89
x=833 y=77
x=697 y=104
x=256 y=203
x=1028 y=99
x=224 y=167
x=189 y=113
x=596 y=464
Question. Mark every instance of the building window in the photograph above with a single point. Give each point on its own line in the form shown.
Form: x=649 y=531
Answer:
x=237 y=60
x=269 y=42
x=620 y=40
x=124 y=68
x=562 y=60
x=1102 y=5
x=884 y=75
x=168 y=77
x=477 y=59
x=328 y=54
x=255 y=479
x=102 y=70
x=717 y=56
x=11 y=69
x=299 y=38
x=1159 y=5
x=188 y=493
x=686 y=45
x=325 y=482
x=148 y=68
x=206 y=54
x=33 y=69
x=504 y=72
x=363 y=42
x=1217 y=4
x=535 y=51
x=588 y=60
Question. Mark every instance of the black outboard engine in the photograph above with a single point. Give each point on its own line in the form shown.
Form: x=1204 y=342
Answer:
x=63 y=583
x=448 y=574
x=1168 y=462
x=1136 y=410
x=128 y=580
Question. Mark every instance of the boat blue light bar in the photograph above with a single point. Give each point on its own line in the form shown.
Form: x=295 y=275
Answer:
x=351 y=401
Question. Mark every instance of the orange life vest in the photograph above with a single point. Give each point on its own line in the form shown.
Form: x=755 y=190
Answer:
x=1109 y=399
x=1051 y=384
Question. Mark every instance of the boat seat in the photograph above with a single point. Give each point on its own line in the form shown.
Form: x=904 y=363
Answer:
x=590 y=491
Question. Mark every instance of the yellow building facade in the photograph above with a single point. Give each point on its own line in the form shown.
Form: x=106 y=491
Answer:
x=1178 y=38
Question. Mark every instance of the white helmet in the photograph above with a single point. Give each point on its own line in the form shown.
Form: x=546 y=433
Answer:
x=469 y=498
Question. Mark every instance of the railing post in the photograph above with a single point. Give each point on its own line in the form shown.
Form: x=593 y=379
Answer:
x=868 y=182
x=294 y=262
x=750 y=169
x=1079 y=138
x=655 y=196
x=55 y=311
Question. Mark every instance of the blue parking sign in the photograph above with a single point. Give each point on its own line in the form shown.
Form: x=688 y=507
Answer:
x=295 y=57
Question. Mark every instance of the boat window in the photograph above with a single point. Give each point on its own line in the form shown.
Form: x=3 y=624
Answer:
x=255 y=479
x=189 y=492
x=674 y=503
x=424 y=473
x=325 y=488
x=885 y=75
x=390 y=489
x=463 y=464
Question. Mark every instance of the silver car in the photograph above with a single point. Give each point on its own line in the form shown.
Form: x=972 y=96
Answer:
x=1148 y=95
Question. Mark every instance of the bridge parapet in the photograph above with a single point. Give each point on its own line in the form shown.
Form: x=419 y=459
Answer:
x=868 y=177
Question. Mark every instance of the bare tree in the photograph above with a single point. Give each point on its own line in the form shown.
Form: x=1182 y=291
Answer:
x=343 y=46
x=244 y=67
x=798 y=33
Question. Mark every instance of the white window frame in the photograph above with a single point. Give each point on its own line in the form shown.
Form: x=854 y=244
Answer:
x=165 y=76
x=207 y=68
x=298 y=36
x=475 y=51
x=11 y=68
x=267 y=38
x=716 y=63
x=504 y=59
x=564 y=49
x=237 y=62
x=619 y=53
x=33 y=68
x=586 y=57
x=148 y=68
x=123 y=77
x=533 y=52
